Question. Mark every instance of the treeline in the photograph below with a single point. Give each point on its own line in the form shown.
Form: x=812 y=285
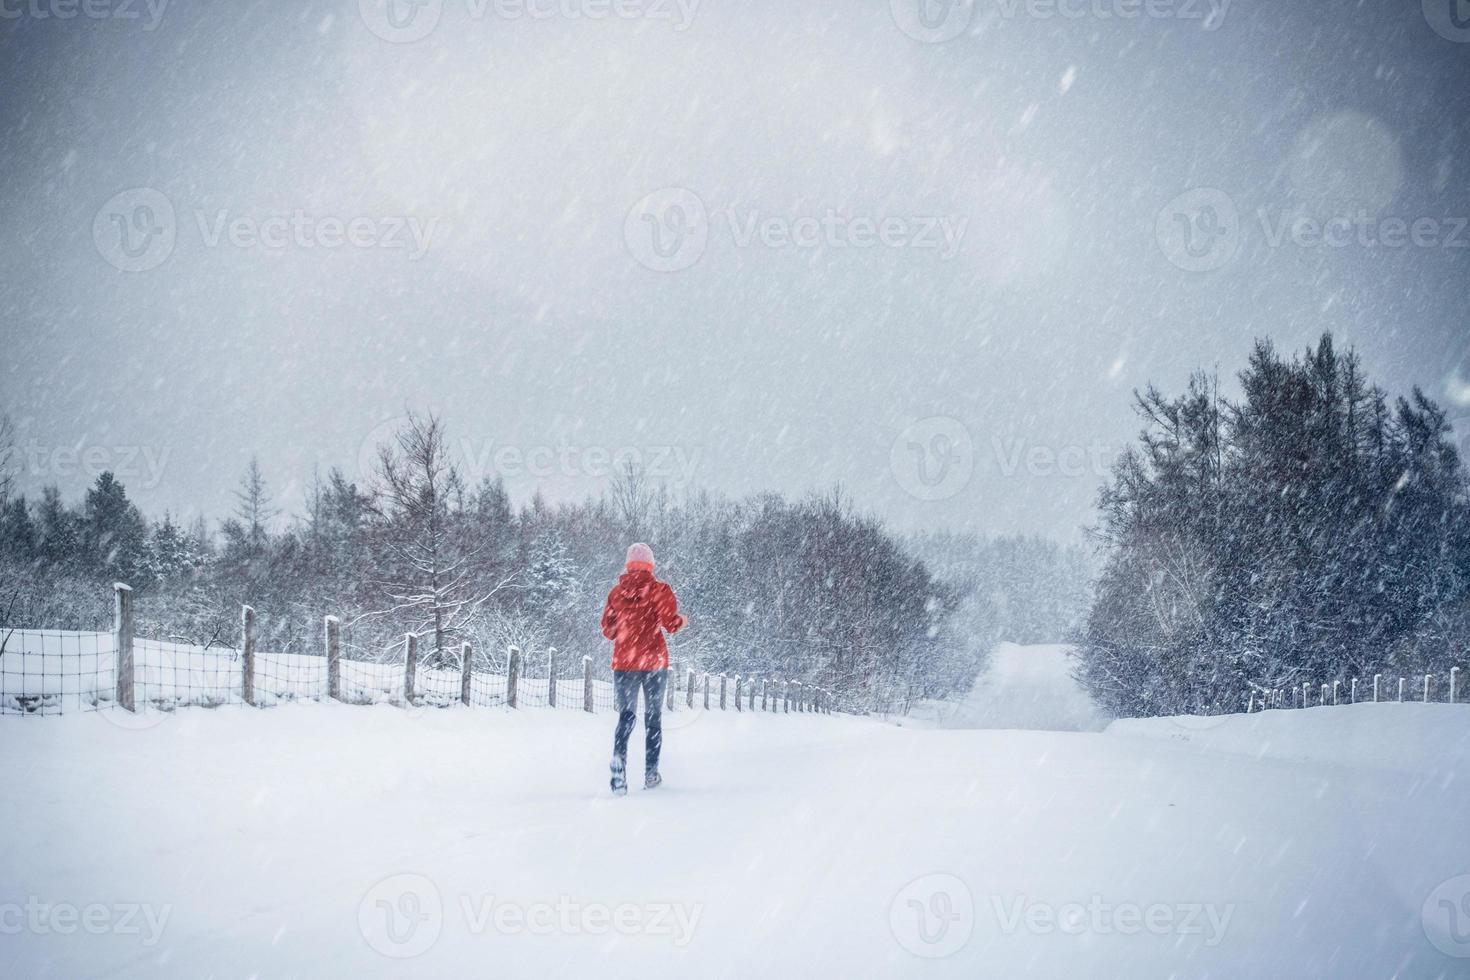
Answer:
x=1014 y=588
x=809 y=590
x=1307 y=531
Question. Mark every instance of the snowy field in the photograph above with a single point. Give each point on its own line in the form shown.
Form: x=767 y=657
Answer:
x=323 y=840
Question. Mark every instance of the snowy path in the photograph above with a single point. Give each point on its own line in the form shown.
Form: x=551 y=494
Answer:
x=783 y=842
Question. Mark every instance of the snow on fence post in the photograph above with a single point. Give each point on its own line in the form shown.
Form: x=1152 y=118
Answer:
x=1306 y=696
x=247 y=654
x=737 y=692
x=512 y=676
x=1336 y=687
x=122 y=641
x=1250 y=705
x=1401 y=690
x=1454 y=683
x=1427 y=679
x=410 y=665
x=706 y=691
x=689 y=687
x=587 y=684
x=551 y=677
x=1377 y=680
x=466 y=659
x=1324 y=695
x=722 y=692
x=333 y=628
x=1353 y=694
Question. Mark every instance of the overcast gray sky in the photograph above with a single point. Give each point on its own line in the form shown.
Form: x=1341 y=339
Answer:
x=766 y=245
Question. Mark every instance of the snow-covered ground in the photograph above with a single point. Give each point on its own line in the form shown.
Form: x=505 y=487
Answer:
x=1026 y=687
x=323 y=840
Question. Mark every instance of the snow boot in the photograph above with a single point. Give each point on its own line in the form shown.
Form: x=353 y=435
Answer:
x=619 y=777
x=652 y=780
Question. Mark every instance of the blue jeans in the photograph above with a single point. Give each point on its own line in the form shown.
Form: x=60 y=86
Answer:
x=626 y=684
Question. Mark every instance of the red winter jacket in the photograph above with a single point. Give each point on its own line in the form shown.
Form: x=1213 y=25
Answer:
x=639 y=608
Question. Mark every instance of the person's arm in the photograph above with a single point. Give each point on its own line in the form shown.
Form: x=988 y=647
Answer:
x=609 y=619
x=669 y=616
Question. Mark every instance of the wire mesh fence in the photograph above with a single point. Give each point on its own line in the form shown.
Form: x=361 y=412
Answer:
x=48 y=672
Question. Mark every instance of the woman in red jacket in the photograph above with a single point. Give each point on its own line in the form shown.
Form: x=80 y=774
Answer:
x=639 y=610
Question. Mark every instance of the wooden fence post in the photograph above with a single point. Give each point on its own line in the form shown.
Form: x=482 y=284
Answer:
x=737 y=692
x=247 y=654
x=1454 y=683
x=706 y=692
x=551 y=677
x=1427 y=679
x=1377 y=680
x=587 y=684
x=333 y=627
x=689 y=686
x=764 y=694
x=1401 y=690
x=722 y=692
x=1324 y=695
x=1353 y=694
x=1336 y=687
x=122 y=639
x=512 y=676
x=410 y=665
x=752 y=694
x=1306 y=696
x=671 y=681
x=786 y=697
x=466 y=660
